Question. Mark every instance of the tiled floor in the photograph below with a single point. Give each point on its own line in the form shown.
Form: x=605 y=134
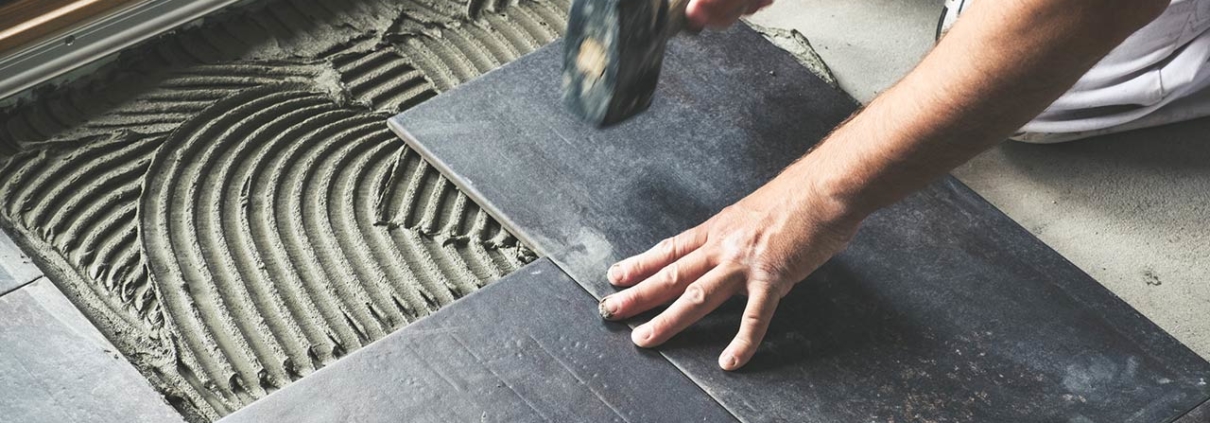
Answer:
x=941 y=307
x=503 y=354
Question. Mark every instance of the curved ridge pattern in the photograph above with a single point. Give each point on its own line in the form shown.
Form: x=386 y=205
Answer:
x=144 y=103
x=257 y=220
x=83 y=201
x=423 y=63
x=228 y=207
x=450 y=56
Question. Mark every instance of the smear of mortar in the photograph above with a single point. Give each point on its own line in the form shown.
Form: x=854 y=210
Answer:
x=226 y=204
x=798 y=46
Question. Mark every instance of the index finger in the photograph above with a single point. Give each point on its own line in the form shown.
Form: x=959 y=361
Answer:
x=637 y=268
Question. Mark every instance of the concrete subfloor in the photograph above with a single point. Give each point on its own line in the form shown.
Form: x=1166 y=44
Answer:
x=1130 y=209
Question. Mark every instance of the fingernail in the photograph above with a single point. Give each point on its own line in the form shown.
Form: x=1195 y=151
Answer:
x=640 y=335
x=607 y=308
x=614 y=273
x=728 y=361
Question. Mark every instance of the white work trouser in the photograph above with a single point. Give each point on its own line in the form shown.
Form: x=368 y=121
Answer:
x=1158 y=75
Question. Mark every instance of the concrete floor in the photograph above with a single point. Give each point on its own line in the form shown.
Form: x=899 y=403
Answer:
x=1130 y=209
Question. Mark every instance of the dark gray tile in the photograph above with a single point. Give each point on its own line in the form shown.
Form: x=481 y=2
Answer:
x=941 y=309
x=723 y=121
x=1201 y=414
x=525 y=348
x=16 y=269
x=56 y=367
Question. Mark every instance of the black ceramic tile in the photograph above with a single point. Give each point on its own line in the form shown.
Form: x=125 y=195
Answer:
x=55 y=367
x=941 y=309
x=1201 y=414
x=731 y=110
x=16 y=269
x=518 y=350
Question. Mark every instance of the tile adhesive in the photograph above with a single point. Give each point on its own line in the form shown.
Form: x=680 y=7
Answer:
x=227 y=204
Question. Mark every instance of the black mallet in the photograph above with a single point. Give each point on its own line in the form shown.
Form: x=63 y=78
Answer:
x=612 y=55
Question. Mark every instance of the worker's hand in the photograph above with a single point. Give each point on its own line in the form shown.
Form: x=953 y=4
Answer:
x=759 y=247
x=720 y=14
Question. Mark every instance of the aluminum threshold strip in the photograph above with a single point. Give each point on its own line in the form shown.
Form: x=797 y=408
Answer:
x=71 y=49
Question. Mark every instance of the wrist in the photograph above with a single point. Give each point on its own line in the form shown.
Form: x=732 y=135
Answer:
x=851 y=170
x=836 y=198
x=829 y=197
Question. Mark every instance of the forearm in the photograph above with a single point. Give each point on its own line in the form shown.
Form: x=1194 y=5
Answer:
x=999 y=66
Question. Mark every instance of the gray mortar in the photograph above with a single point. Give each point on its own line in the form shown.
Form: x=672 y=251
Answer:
x=797 y=45
x=226 y=204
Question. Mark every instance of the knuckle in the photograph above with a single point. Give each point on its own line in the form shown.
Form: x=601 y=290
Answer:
x=667 y=246
x=671 y=276
x=753 y=319
x=695 y=295
x=657 y=328
x=621 y=301
x=765 y=271
x=775 y=291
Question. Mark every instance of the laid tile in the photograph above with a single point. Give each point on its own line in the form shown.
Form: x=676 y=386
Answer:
x=1201 y=414
x=58 y=368
x=942 y=308
x=16 y=269
x=525 y=348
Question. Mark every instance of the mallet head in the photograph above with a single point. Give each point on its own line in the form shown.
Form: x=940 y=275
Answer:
x=612 y=54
